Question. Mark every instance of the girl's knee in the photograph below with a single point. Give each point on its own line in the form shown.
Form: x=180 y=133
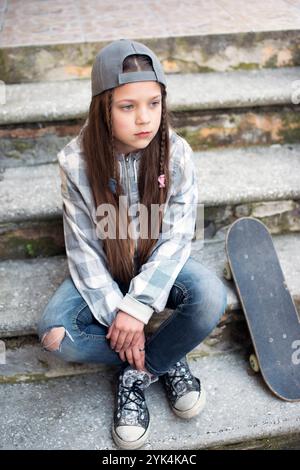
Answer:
x=213 y=296
x=51 y=340
x=205 y=289
x=209 y=305
x=221 y=298
x=58 y=341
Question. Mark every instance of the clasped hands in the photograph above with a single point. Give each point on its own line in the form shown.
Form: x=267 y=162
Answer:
x=127 y=338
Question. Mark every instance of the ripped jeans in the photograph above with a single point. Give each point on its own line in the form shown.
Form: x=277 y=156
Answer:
x=198 y=298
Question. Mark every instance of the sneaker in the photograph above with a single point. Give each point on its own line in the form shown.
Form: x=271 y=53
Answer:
x=131 y=416
x=184 y=391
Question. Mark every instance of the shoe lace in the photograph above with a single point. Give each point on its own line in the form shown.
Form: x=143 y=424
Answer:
x=178 y=378
x=132 y=394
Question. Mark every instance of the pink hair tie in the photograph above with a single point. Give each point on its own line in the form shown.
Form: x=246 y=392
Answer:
x=162 y=180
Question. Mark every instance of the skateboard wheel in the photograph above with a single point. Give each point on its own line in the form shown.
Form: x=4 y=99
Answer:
x=227 y=272
x=254 y=363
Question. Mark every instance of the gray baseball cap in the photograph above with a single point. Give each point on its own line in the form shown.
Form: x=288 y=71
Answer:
x=107 y=71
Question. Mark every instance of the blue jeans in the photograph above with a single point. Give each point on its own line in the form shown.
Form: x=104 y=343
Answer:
x=198 y=298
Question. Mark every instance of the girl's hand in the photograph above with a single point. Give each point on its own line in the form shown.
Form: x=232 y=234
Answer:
x=124 y=331
x=134 y=355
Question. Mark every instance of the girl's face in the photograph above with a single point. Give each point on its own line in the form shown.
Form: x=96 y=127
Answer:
x=136 y=108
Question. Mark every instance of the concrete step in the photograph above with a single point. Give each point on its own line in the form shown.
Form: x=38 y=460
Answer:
x=233 y=108
x=240 y=412
x=27 y=285
x=61 y=100
x=24 y=360
x=260 y=181
x=187 y=37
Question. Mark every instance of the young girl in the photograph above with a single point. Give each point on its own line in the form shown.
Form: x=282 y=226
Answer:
x=130 y=198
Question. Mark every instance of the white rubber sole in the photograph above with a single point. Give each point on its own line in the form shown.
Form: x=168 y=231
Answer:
x=130 y=445
x=195 y=410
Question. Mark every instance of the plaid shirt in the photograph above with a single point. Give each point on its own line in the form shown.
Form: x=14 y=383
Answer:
x=149 y=290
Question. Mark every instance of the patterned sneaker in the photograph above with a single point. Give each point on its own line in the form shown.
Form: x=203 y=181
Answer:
x=131 y=416
x=184 y=391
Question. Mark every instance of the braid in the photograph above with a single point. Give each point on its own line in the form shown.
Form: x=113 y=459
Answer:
x=163 y=140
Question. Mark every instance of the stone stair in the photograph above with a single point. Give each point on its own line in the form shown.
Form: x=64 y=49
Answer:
x=252 y=181
x=76 y=412
x=233 y=93
x=61 y=39
x=258 y=107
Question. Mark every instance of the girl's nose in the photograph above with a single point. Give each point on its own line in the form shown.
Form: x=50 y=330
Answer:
x=143 y=116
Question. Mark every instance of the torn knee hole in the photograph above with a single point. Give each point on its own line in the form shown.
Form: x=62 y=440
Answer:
x=52 y=339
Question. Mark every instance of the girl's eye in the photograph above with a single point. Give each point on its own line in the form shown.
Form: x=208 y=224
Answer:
x=130 y=105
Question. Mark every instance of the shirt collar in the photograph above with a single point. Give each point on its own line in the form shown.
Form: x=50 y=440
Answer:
x=133 y=155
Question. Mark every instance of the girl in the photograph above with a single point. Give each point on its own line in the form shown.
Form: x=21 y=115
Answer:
x=127 y=169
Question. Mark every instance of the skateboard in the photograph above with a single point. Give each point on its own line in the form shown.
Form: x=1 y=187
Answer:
x=271 y=315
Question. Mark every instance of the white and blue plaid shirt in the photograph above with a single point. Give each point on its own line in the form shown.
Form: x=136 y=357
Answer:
x=149 y=290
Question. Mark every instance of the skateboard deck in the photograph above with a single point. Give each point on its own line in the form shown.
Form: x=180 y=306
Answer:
x=268 y=306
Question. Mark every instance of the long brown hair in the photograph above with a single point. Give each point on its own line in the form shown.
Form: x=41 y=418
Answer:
x=102 y=165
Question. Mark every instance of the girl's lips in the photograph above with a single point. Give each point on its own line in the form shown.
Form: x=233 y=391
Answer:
x=143 y=133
